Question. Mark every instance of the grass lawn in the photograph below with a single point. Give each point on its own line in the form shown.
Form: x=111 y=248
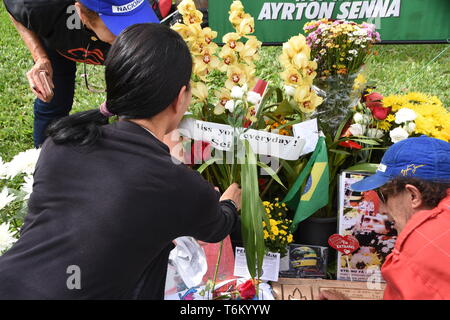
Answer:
x=396 y=68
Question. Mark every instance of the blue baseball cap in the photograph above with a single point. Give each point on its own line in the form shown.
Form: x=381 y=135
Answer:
x=120 y=14
x=422 y=157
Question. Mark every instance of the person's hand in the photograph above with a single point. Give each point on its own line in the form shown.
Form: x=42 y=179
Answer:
x=332 y=295
x=233 y=193
x=40 y=79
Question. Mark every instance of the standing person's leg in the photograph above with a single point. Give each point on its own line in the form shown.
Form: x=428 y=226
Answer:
x=64 y=71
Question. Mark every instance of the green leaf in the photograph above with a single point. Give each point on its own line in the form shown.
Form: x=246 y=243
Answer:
x=366 y=167
x=367 y=141
x=252 y=213
x=206 y=164
x=340 y=152
x=271 y=172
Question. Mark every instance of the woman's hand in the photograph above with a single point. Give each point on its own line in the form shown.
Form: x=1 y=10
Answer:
x=233 y=193
x=40 y=79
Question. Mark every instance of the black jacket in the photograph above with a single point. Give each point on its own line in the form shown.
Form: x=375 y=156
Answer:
x=112 y=210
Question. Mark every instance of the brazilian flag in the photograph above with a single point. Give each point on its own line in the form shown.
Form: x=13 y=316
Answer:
x=315 y=192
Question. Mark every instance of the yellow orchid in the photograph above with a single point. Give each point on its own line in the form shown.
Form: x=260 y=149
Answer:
x=228 y=57
x=199 y=91
x=250 y=51
x=291 y=76
x=205 y=62
x=209 y=35
x=193 y=17
x=311 y=104
x=236 y=13
x=186 y=7
x=232 y=41
x=238 y=75
x=246 y=26
x=223 y=95
x=302 y=93
x=296 y=45
x=300 y=60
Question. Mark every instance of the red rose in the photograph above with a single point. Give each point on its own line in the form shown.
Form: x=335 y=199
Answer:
x=200 y=152
x=247 y=290
x=374 y=103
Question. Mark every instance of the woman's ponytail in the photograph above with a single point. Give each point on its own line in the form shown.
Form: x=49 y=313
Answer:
x=81 y=128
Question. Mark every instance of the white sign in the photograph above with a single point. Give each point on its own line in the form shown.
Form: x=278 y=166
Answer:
x=221 y=136
x=270 y=266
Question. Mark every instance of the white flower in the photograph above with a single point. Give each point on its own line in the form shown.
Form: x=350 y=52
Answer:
x=357 y=129
x=254 y=97
x=358 y=117
x=238 y=92
x=229 y=105
x=398 y=134
x=410 y=127
x=5 y=198
x=405 y=115
x=6 y=237
x=27 y=186
x=3 y=168
x=290 y=90
x=24 y=162
x=375 y=133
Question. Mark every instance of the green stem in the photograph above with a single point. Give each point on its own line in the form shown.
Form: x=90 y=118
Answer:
x=217 y=268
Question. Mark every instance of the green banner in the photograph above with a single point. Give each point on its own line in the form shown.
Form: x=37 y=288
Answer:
x=396 y=20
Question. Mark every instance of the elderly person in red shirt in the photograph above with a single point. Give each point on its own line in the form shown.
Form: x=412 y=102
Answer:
x=413 y=183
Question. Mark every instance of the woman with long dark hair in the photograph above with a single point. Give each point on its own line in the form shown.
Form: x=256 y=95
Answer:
x=108 y=199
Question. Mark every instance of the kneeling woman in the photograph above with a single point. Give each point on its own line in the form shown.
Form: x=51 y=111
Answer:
x=108 y=199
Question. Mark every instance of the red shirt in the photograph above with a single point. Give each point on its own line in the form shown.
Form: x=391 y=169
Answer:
x=419 y=265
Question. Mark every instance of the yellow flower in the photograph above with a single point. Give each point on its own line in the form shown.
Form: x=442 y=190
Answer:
x=266 y=234
x=390 y=118
x=200 y=91
x=209 y=35
x=384 y=125
x=223 y=95
x=274 y=230
x=238 y=75
x=193 y=17
x=296 y=45
x=291 y=76
x=290 y=238
x=236 y=6
x=417 y=97
x=228 y=57
x=310 y=102
x=232 y=41
x=186 y=7
x=250 y=51
x=205 y=62
x=246 y=26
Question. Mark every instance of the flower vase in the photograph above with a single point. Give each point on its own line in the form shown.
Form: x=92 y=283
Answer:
x=338 y=101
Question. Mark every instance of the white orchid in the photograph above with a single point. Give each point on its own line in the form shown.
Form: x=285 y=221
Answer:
x=6 y=237
x=5 y=198
x=404 y=115
x=358 y=117
x=254 y=98
x=24 y=162
x=230 y=105
x=398 y=134
x=290 y=90
x=238 y=92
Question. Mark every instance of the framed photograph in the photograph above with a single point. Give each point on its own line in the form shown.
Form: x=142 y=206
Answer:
x=306 y=261
x=359 y=216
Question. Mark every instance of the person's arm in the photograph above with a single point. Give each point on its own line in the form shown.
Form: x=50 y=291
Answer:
x=41 y=75
x=215 y=218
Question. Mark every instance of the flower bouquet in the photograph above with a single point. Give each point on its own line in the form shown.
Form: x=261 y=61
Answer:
x=340 y=48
